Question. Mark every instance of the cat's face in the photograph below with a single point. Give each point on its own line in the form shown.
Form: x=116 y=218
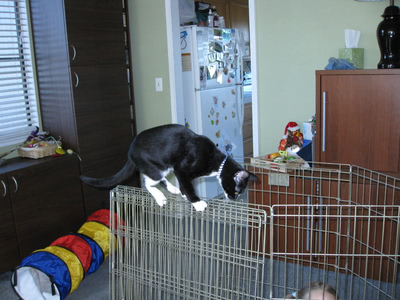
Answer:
x=236 y=185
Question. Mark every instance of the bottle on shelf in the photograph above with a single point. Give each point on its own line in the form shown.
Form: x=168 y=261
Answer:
x=221 y=22
x=210 y=20
x=215 y=17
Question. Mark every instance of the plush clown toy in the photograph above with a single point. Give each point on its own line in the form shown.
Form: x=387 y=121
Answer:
x=293 y=138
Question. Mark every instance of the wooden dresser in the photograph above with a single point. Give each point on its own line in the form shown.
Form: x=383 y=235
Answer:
x=358 y=118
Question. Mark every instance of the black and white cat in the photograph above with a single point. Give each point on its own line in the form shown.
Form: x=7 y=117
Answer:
x=158 y=151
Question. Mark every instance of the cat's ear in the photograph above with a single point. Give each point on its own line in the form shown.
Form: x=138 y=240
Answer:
x=252 y=177
x=243 y=175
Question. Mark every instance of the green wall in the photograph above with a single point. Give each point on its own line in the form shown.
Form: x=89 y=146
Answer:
x=294 y=38
x=149 y=60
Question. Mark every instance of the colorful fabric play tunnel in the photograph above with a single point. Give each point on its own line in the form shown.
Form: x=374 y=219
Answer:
x=57 y=270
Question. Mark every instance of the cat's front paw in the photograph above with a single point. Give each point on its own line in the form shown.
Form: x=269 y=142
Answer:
x=200 y=205
x=161 y=201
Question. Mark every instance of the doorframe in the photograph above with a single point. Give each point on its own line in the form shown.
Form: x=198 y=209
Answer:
x=175 y=66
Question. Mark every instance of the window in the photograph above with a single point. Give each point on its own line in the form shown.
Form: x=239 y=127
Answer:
x=18 y=107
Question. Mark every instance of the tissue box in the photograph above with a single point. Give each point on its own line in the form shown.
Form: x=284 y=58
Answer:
x=353 y=55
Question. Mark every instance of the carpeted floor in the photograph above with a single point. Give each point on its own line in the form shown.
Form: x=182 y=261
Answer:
x=93 y=287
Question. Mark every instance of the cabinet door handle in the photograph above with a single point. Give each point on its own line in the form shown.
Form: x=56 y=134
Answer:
x=77 y=79
x=5 y=188
x=323 y=121
x=16 y=183
x=73 y=52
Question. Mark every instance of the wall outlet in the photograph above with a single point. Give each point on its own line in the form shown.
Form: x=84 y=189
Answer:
x=159 y=87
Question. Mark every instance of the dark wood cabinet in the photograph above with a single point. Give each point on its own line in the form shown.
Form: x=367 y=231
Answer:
x=235 y=13
x=95 y=32
x=9 y=250
x=358 y=118
x=248 y=131
x=85 y=96
x=42 y=200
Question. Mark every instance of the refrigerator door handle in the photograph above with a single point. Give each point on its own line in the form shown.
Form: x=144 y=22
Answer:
x=240 y=67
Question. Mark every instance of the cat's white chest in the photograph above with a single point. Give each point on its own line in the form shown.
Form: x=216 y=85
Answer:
x=166 y=172
x=212 y=174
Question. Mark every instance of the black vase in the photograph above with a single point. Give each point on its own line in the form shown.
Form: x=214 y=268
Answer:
x=388 y=34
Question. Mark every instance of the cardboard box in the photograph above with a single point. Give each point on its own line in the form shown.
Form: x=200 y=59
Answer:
x=353 y=55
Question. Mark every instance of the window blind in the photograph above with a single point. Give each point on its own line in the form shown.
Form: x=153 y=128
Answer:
x=18 y=107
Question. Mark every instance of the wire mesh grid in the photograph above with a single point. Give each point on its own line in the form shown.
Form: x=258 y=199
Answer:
x=332 y=223
x=335 y=224
x=173 y=252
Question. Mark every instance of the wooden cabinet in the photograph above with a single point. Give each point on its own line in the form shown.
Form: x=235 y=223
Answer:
x=248 y=131
x=42 y=200
x=235 y=13
x=238 y=11
x=9 y=250
x=358 y=118
x=85 y=96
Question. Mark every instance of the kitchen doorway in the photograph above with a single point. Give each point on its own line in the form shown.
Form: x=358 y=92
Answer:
x=250 y=128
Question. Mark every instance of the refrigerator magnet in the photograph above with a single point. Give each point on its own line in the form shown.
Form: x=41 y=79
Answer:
x=218 y=34
x=215 y=100
x=203 y=73
x=226 y=35
x=226 y=145
x=226 y=50
x=219 y=47
x=235 y=63
x=211 y=72
x=203 y=76
x=220 y=76
x=212 y=57
x=186 y=62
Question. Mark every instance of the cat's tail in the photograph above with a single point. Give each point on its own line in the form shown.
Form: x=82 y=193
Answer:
x=111 y=182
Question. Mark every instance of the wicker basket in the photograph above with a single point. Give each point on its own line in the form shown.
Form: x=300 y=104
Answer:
x=38 y=152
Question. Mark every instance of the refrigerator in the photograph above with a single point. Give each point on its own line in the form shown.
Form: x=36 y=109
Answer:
x=213 y=92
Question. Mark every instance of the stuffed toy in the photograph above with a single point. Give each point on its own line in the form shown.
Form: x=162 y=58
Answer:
x=293 y=138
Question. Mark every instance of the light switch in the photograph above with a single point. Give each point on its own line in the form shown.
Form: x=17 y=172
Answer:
x=159 y=87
